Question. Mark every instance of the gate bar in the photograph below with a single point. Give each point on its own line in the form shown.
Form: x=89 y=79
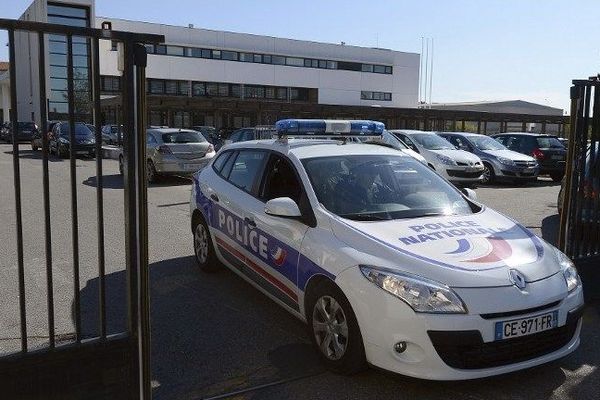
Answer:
x=17 y=176
x=46 y=185
x=99 y=186
x=74 y=220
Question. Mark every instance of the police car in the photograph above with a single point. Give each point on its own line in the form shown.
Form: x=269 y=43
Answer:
x=387 y=263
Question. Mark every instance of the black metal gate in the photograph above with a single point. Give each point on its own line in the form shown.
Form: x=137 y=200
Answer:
x=580 y=220
x=107 y=365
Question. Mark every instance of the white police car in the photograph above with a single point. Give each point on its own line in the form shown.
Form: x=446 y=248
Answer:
x=388 y=263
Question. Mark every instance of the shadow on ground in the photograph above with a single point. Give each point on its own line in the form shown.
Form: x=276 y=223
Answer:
x=115 y=181
x=214 y=334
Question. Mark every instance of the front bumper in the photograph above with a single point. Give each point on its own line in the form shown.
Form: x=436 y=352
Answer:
x=515 y=172
x=434 y=340
x=463 y=174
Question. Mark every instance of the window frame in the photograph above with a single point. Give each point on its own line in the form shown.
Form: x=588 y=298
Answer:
x=259 y=172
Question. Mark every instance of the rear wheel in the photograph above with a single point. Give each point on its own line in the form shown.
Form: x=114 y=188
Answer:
x=334 y=330
x=203 y=248
x=34 y=147
x=557 y=176
x=151 y=172
x=488 y=175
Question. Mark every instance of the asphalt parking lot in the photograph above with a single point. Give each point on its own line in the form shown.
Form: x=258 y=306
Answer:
x=213 y=334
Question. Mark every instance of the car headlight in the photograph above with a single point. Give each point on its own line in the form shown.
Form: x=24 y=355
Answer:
x=63 y=140
x=445 y=159
x=422 y=295
x=568 y=270
x=505 y=161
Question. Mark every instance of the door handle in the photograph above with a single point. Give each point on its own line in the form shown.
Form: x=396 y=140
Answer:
x=250 y=222
x=214 y=197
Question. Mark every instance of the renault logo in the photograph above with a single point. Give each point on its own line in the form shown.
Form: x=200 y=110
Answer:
x=517 y=279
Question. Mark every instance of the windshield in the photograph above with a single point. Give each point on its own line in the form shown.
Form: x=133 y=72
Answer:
x=26 y=125
x=486 y=143
x=382 y=187
x=183 y=137
x=115 y=129
x=432 y=141
x=393 y=141
x=80 y=130
x=549 y=142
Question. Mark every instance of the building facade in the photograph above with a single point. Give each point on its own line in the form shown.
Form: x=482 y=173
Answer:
x=208 y=77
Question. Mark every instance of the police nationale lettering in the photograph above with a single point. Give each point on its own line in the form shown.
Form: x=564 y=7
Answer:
x=443 y=230
x=250 y=238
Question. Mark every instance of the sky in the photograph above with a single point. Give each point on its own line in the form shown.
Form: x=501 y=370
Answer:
x=484 y=49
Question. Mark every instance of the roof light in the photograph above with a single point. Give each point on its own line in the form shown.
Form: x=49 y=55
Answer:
x=325 y=127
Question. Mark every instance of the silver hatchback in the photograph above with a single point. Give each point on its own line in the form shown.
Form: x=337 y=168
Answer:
x=172 y=151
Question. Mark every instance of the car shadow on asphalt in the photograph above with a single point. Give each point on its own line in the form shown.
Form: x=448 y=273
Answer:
x=115 y=181
x=211 y=333
x=540 y=182
x=37 y=155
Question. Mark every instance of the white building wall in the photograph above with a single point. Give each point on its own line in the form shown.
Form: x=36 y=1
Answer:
x=337 y=87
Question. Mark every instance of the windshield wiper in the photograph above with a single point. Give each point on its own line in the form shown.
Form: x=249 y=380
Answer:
x=366 y=217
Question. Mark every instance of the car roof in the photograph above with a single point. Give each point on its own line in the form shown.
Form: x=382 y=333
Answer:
x=524 y=134
x=309 y=148
x=170 y=130
x=408 y=131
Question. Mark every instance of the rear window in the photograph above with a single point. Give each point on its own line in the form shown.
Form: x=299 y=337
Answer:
x=26 y=125
x=183 y=137
x=80 y=130
x=549 y=142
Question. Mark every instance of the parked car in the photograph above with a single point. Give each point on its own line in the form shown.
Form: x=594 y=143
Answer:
x=549 y=152
x=499 y=163
x=210 y=133
x=246 y=134
x=591 y=183
x=456 y=165
x=25 y=131
x=391 y=141
x=60 y=142
x=387 y=263
x=173 y=151
x=112 y=134
x=36 y=140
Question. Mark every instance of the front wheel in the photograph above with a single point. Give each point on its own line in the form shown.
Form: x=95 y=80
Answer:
x=334 y=330
x=488 y=175
x=151 y=174
x=204 y=249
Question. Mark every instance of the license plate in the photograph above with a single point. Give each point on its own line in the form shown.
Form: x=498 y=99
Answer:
x=531 y=169
x=191 y=167
x=526 y=326
x=81 y=152
x=558 y=157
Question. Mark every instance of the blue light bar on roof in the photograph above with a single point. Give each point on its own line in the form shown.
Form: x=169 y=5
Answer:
x=328 y=127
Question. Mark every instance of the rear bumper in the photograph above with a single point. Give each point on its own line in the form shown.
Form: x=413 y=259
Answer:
x=182 y=167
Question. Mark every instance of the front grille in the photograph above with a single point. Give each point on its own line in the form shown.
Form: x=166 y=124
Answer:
x=466 y=349
x=527 y=164
x=464 y=174
x=520 y=312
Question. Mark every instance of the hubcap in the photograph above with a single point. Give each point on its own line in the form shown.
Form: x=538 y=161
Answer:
x=330 y=327
x=486 y=174
x=201 y=244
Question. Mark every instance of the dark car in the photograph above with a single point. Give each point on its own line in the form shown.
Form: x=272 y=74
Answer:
x=36 y=140
x=256 y=133
x=211 y=134
x=112 y=134
x=60 y=142
x=549 y=152
x=25 y=131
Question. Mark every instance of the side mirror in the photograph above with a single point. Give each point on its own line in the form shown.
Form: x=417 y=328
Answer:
x=470 y=193
x=282 y=207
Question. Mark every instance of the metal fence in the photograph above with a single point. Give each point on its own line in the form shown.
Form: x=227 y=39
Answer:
x=78 y=368
x=580 y=219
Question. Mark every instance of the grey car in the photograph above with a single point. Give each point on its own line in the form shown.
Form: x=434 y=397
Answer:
x=499 y=162
x=172 y=151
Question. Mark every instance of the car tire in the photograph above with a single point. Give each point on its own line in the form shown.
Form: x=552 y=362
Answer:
x=334 y=330
x=557 y=176
x=488 y=175
x=151 y=173
x=60 y=152
x=34 y=147
x=121 y=165
x=204 y=250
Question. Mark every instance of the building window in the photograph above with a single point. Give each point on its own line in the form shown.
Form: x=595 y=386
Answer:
x=270 y=92
x=212 y=89
x=216 y=54
x=160 y=49
x=294 y=62
x=282 y=93
x=198 y=89
x=183 y=88
x=171 y=87
x=181 y=119
x=174 y=50
x=332 y=65
x=379 y=69
x=349 y=66
x=235 y=91
x=258 y=58
x=229 y=55
x=156 y=86
x=367 y=68
x=380 y=96
x=299 y=94
x=267 y=59
x=246 y=57
x=254 y=92
x=278 y=60
x=388 y=69
x=110 y=84
x=223 y=90
x=149 y=48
